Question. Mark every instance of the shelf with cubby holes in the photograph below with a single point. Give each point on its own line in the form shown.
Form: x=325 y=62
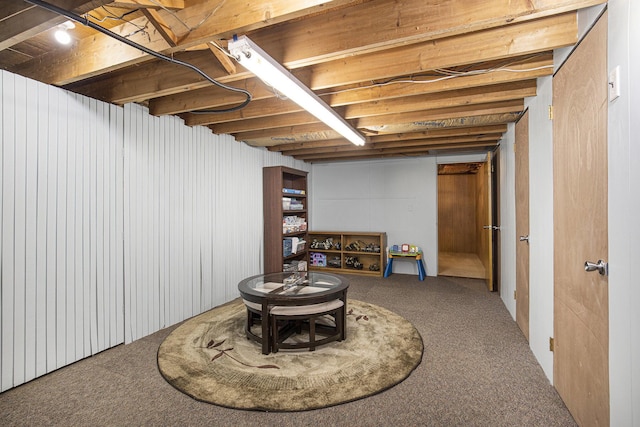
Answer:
x=347 y=252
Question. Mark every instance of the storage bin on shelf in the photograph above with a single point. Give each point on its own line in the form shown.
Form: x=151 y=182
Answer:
x=292 y=204
x=292 y=245
x=293 y=224
x=294 y=266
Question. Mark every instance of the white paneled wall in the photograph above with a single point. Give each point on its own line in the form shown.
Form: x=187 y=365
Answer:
x=394 y=196
x=114 y=224
x=193 y=219
x=61 y=255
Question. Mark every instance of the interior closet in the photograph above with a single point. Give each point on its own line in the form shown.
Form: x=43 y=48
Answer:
x=461 y=212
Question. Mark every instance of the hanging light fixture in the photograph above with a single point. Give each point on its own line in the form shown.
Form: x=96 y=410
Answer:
x=62 y=33
x=254 y=59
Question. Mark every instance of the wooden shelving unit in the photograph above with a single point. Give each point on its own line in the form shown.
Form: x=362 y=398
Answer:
x=275 y=180
x=337 y=258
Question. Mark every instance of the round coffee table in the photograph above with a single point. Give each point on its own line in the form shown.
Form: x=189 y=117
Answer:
x=291 y=289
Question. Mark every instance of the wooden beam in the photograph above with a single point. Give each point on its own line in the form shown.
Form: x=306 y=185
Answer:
x=226 y=62
x=261 y=108
x=439 y=133
x=21 y=21
x=262 y=123
x=287 y=134
x=524 y=68
x=381 y=130
x=422 y=122
x=491 y=137
x=151 y=80
x=381 y=24
x=163 y=28
x=239 y=17
x=388 y=146
x=512 y=41
x=207 y=98
x=495 y=43
x=443 y=113
x=424 y=135
x=303 y=145
x=143 y=4
x=432 y=101
x=363 y=151
x=213 y=97
x=269 y=113
x=88 y=58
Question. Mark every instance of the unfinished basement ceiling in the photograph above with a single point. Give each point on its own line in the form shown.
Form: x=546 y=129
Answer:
x=417 y=77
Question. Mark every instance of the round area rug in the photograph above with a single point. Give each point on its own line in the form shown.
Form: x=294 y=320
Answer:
x=209 y=358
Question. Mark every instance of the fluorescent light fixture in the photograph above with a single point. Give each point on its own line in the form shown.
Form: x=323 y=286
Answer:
x=268 y=70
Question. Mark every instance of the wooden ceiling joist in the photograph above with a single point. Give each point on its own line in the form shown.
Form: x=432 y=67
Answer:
x=21 y=20
x=414 y=144
x=378 y=152
x=362 y=28
x=496 y=43
x=262 y=123
x=462 y=97
x=511 y=41
x=415 y=77
x=273 y=106
x=63 y=67
x=149 y=4
x=214 y=97
x=163 y=28
x=530 y=68
x=442 y=113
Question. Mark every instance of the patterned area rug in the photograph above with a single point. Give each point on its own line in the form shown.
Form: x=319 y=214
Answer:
x=210 y=359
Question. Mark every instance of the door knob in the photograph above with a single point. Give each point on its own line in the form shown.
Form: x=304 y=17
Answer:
x=601 y=266
x=524 y=238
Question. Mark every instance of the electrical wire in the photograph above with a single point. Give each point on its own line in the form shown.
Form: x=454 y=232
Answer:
x=112 y=15
x=462 y=74
x=172 y=13
x=85 y=21
x=115 y=17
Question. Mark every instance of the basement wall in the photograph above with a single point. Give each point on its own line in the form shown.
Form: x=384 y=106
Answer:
x=114 y=224
x=394 y=196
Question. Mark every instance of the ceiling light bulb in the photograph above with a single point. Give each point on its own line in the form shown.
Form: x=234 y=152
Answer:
x=62 y=36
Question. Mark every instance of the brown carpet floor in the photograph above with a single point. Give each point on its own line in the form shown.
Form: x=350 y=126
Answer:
x=477 y=370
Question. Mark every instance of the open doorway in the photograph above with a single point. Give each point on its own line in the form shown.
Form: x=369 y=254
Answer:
x=462 y=218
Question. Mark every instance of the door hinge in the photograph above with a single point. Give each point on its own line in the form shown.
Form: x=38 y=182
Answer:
x=514 y=294
x=550 y=112
x=550 y=343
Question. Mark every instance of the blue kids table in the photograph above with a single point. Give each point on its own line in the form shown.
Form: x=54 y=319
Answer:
x=415 y=255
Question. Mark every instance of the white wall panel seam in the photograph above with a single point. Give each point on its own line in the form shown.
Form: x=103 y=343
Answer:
x=8 y=192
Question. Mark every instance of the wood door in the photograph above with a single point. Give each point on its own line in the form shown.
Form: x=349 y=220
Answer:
x=495 y=209
x=522 y=223
x=581 y=327
x=484 y=220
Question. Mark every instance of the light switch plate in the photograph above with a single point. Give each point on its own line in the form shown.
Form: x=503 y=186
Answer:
x=614 y=83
